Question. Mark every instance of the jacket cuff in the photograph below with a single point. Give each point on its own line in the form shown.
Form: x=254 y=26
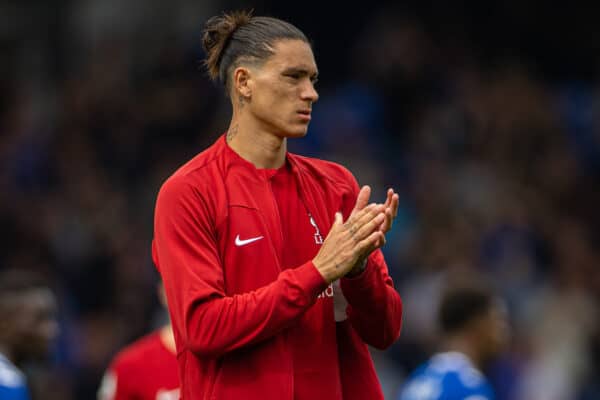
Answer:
x=361 y=283
x=311 y=280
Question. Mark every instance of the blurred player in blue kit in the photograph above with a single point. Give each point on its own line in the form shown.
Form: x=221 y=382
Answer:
x=474 y=327
x=27 y=327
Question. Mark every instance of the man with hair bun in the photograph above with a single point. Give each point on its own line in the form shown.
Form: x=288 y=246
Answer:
x=271 y=261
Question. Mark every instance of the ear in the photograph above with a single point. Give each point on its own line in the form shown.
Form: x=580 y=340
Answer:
x=241 y=82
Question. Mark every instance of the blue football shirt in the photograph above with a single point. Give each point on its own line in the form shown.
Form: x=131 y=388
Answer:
x=12 y=381
x=447 y=376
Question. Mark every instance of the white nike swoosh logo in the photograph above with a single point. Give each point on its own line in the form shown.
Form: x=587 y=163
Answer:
x=240 y=242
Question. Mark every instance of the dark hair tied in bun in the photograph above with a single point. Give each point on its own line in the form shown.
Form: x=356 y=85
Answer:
x=233 y=38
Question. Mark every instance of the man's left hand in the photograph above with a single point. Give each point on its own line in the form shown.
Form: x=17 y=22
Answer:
x=391 y=212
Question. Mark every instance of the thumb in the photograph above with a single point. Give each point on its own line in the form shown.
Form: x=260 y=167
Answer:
x=363 y=198
x=338 y=220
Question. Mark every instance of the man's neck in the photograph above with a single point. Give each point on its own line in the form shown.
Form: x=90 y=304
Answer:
x=6 y=353
x=166 y=337
x=465 y=346
x=261 y=148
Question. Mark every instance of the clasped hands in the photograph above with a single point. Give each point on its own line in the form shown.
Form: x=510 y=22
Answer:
x=348 y=244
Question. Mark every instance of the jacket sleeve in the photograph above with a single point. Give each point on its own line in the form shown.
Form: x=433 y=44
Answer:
x=374 y=306
x=208 y=322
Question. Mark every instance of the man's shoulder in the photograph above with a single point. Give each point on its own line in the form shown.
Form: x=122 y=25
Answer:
x=458 y=371
x=422 y=384
x=137 y=353
x=201 y=161
x=10 y=376
x=199 y=172
x=447 y=376
x=139 y=367
x=324 y=169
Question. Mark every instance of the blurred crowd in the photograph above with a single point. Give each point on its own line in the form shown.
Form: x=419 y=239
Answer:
x=498 y=168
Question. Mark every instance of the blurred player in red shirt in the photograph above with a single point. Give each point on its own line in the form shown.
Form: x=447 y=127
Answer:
x=144 y=370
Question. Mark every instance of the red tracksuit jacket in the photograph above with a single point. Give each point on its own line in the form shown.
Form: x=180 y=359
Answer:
x=232 y=305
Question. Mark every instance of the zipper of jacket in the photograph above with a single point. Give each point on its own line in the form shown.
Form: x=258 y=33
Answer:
x=299 y=183
x=276 y=207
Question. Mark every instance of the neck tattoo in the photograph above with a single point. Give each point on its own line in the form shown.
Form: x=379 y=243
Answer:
x=231 y=133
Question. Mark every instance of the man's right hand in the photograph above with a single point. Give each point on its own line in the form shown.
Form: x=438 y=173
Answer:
x=348 y=241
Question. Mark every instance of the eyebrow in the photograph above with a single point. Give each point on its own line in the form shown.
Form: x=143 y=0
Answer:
x=300 y=71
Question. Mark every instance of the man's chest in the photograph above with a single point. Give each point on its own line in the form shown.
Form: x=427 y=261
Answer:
x=268 y=230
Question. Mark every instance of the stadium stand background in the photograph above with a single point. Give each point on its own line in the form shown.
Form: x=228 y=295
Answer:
x=484 y=115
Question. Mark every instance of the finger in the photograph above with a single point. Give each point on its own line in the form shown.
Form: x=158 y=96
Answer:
x=365 y=216
x=391 y=212
x=369 y=227
x=387 y=223
x=395 y=205
x=338 y=220
x=379 y=243
x=338 y=223
x=363 y=198
x=389 y=196
x=368 y=244
x=358 y=214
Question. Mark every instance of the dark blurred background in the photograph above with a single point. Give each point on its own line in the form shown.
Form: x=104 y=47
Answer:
x=484 y=115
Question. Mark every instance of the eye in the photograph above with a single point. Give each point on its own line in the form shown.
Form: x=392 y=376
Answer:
x=293 y=76
x=314 y=80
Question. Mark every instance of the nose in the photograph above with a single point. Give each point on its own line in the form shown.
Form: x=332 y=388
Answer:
x=309 y=93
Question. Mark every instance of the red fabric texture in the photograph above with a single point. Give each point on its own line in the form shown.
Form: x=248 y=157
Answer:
x=313 y=335
x=144 y=370
x=243 y=308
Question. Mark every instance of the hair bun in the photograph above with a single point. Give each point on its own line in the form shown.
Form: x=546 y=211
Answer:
x=215 y=37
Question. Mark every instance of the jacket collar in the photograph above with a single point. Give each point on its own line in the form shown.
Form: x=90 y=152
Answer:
x=234 y=159
x=250 y=174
